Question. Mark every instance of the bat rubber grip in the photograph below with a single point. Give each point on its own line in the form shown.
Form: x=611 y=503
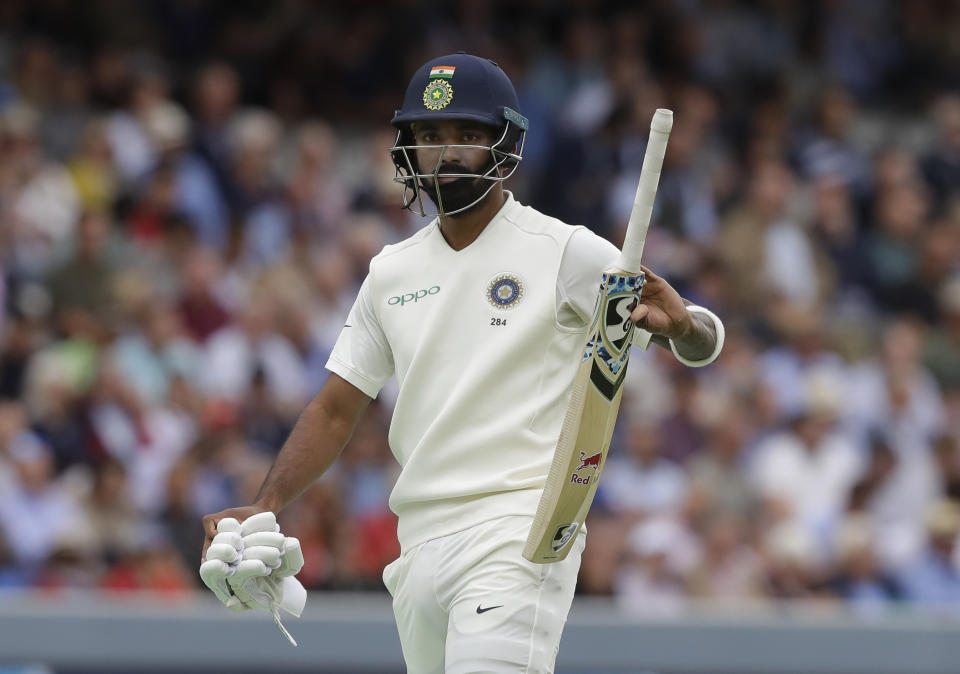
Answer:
x=636 y=235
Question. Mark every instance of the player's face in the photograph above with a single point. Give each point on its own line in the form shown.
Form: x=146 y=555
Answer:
x=441 y=154
x=447 y=150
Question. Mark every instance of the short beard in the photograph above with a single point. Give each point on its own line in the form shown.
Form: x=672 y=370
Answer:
x=459 y=193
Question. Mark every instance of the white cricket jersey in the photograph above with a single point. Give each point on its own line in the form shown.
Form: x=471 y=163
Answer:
x=485 y=344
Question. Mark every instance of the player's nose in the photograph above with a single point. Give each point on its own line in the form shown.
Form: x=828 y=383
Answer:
x=452 y=154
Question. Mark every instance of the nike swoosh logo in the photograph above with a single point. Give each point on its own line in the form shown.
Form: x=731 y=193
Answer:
x=347 y=325
x=489 y=608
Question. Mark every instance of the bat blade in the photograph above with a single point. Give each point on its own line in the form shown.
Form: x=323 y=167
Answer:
x=589 y=422
x=591 y=415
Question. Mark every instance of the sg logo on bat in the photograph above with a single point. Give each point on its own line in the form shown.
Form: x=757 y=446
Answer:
x=563 y=536
x=620 y=298
x=609 y=347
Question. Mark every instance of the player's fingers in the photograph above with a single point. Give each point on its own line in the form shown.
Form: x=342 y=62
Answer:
x=267 y=554
x=273 y=539
x=214 y=574
x=651 y=276
x=640 y=313
x=247 y=569
x=292 y=560
x=212 y=525
x=228 y=524
x=209 y=531
x=223 y=552
x=266 y=521
x=228 y=538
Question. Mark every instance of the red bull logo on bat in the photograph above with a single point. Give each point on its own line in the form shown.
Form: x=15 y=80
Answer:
x=592 y=461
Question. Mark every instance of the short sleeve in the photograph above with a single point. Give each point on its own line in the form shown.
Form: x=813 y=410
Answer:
x=585 y=258
x=362 y=354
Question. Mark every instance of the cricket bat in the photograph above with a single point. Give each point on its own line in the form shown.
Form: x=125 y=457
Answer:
x=598 y=386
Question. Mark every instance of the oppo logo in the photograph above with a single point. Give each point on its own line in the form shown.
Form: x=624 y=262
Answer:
x=413 y=297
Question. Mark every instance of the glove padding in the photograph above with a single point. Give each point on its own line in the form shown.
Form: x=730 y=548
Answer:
x=253 y=566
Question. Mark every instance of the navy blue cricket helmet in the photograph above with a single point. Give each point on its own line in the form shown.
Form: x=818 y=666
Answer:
x=458 y=87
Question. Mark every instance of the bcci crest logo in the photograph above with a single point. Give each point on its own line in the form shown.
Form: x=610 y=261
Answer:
x=437 y=95
x=504 y=291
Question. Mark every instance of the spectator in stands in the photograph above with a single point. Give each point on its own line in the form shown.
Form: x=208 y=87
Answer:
x=682 y=427
x=806 y=471
x=109 y=521
x=158 y=350
x=642 y=483
x=319 y=198
x=237 y=352
x=934 y=579
x=81 y=287
x=892 y=254
x=652 y=579
x=255 y=137
x=729 y=569
x=827 y=149
x=803 y=355
x=93 y=170
x=895 y=392
x=37 y=511
x=941 y=166
x=40 y=203
x=860 y=578
x=768 y=253
x=793 y=561
x=718 y=481
x=216 y=95
x=207 y=294
x=941 y=349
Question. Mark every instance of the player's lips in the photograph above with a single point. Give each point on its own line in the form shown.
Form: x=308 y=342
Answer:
x=447 y=170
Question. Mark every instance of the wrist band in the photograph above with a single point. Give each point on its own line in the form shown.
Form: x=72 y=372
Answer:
x=718 y=326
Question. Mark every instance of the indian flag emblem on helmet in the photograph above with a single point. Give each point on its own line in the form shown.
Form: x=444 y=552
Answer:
x=442 y=71
x=437 y=95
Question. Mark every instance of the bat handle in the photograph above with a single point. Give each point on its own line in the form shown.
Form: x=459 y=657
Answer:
x=639 y=221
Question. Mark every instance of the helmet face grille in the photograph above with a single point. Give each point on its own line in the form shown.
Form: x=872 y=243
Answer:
x=505 y=156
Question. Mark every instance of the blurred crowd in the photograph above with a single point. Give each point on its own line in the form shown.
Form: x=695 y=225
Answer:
x=190 y=194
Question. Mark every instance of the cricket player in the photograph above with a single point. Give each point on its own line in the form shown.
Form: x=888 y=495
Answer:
x=481 y=316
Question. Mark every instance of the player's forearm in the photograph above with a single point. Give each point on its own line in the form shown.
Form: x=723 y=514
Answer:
x=697 y=341
x=320 y=434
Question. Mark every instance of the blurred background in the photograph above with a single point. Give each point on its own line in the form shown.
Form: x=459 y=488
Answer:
x=190 y=193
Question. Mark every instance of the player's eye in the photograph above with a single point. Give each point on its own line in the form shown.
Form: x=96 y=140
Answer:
x=429 y=137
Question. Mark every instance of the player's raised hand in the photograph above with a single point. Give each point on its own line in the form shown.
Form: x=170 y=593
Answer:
x=661 y=309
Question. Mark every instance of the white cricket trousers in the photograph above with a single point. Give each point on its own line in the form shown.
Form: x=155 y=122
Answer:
x=469 y=602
